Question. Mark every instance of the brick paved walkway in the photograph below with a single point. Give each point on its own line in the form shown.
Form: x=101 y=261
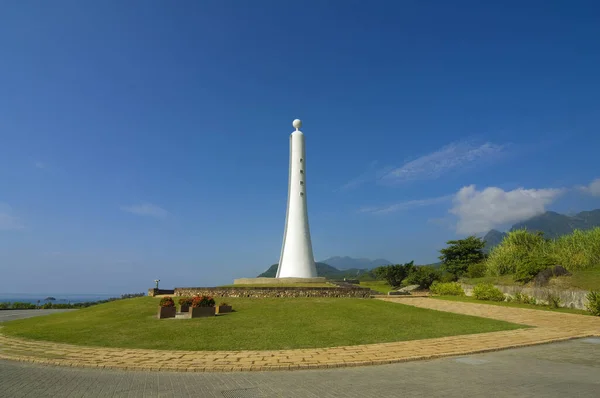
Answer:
x=548 y=327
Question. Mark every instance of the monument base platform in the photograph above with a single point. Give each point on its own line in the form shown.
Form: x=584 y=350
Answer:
x=277 y=281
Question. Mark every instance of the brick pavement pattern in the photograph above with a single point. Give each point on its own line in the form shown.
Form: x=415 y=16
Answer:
x=547 y=327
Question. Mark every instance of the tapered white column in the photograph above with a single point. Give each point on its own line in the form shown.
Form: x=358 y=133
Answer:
x=297 y=259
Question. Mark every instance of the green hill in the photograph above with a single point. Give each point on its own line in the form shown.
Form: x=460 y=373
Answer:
x=323 y=270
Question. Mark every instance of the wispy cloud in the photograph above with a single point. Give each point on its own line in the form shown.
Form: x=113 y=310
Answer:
x=451 y=157
x=406 y=205
x=593 y=188
x=8 y=221
x=372 y=173
x=480 y=211
x=146 y=209
x=40 y=165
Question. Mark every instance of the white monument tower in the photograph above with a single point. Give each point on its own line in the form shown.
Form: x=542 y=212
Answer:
x=297 y=259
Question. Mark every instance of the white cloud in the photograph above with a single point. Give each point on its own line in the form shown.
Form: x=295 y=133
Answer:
x=450 y=157
x=480 y=211
x=406 y=205
x=146 y=209
x=593 y=188
x=8 y=221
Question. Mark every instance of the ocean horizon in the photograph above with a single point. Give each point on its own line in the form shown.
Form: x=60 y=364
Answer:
x=59 y=298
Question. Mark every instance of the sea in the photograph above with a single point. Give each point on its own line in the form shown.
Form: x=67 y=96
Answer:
x=59 y=298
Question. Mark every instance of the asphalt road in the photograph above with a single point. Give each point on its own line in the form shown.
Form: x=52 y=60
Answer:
x=9 y=315
x=567 y=369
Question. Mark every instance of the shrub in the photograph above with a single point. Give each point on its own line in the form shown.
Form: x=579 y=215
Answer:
x=448 y=277
x=447 y=289
x=530 y=266
x=23 y=306
x=553 y=300
x=203 y=301
x=593 y=304
x=4 y=306
x=167 y=302
x=579 y=250
x=186 y=301
x=487 y=291
x=476 y=270
x=423 y=276
x=514 y=249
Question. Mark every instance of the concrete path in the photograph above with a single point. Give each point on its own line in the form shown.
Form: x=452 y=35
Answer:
x=10 y=315
x=548 y=327
x=568 y=369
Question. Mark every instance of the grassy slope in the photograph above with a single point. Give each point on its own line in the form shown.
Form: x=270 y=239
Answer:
x=379 y=286
x=587 y=279
x=511 y=304
x=257 y=324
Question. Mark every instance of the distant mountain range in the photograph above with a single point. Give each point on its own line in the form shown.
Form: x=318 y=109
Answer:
x=323 y=269
x=346 y=263
x=552 y=224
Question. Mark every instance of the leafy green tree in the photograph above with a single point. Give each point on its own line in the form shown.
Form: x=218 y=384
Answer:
x=394 y=274
x=423 y=276
x=461 y=253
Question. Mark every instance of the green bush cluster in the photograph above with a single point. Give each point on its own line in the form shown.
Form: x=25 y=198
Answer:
x=593 y=304
x=476 y=270
x=525 y=253
x=523 y=298
x=487 y=291
x=447 y=289
x=423 y=276
x=530 y=266
x=408 y=274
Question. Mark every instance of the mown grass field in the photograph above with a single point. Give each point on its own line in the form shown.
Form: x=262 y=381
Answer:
x=379 y=286
x=467 y=299
x=257 y=324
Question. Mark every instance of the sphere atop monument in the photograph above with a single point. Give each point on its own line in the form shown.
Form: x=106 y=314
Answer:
x=297 y=123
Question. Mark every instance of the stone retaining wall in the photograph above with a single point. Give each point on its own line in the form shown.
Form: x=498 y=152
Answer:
x=267 y=281
x=258 y=292
x=156 y=292
x=568 y=298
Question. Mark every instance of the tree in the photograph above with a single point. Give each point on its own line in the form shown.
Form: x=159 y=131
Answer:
x=461 y=253
x=394 y=274
x=423 y=276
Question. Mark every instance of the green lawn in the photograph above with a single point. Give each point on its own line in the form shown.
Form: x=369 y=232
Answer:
x=379 y=286
x=468 y=299
x=588 y=279
x=260 y=324
x=496 y=280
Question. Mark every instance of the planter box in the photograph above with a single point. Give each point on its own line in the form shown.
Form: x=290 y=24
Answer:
x=166 y=312
x=185 y=308
x=199 y=312
x=223 y=309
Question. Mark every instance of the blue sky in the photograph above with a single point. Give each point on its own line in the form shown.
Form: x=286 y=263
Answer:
x=149 y=139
